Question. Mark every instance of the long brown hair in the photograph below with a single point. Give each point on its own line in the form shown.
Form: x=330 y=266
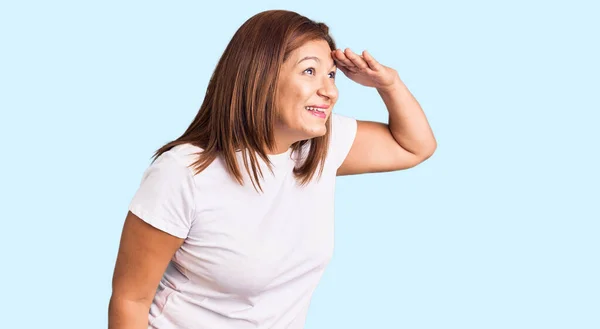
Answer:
x=239 y=109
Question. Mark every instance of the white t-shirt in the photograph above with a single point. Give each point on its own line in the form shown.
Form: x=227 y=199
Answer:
x=249 y=260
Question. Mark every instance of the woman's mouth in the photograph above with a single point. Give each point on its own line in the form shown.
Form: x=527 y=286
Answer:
x=316 y=112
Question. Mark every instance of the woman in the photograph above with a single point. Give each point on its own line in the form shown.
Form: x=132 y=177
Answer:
x=209 y=244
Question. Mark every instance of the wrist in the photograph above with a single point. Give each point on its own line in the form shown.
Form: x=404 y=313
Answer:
x=396 y=85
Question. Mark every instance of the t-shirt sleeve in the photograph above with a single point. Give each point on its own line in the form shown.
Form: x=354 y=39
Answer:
x=343 y=132
x=165 y=198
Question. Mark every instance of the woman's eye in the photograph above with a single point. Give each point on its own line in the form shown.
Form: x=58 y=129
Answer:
x=332 y=74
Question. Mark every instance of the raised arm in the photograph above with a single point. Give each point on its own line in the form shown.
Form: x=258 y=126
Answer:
x=405 y=141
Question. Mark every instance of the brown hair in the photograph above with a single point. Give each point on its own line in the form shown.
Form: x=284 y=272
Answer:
x=239 y=109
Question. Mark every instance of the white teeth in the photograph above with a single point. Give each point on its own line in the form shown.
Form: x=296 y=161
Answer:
x=313 y=109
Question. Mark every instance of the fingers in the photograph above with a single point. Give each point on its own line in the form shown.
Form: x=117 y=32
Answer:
x=346 y=70
x=354 y=62
x=342 y=61
x=373 y=64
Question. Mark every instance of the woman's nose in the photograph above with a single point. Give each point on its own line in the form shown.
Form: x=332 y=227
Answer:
x=328 y=89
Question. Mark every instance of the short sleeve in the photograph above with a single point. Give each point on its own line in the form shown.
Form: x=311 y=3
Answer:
x=343 y=132
x=165 y=198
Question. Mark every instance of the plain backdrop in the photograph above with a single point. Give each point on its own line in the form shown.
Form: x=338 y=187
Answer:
x=498 y=229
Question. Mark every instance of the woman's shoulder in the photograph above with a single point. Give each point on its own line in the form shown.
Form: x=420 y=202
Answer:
x=178 y=160
x=174 y=159
x=186 y=153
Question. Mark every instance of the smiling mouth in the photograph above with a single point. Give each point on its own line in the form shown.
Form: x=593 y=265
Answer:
x=313 y=109
x=316 y=111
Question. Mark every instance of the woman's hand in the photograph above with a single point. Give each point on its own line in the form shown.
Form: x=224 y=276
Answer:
x=365 y=70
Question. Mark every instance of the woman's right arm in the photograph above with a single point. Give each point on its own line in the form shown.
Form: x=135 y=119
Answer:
x=144 y=253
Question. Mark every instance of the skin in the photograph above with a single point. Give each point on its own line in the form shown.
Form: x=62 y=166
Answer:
x=303 y=83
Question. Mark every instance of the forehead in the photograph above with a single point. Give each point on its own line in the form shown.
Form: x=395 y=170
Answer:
x=316 y=48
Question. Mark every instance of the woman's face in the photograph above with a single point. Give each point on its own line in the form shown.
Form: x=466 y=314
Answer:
x=306 y=81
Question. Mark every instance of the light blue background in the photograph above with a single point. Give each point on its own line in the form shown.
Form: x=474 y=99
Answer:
x=499 y=229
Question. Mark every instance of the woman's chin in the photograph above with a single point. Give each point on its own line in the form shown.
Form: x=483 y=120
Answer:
x=318 y=132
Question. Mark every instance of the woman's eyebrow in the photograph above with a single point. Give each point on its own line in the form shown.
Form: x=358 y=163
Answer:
x=309 y=57
x=314 y=58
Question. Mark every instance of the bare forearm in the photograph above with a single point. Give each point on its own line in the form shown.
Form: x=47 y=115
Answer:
x=407 y=121
x=127 y=314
